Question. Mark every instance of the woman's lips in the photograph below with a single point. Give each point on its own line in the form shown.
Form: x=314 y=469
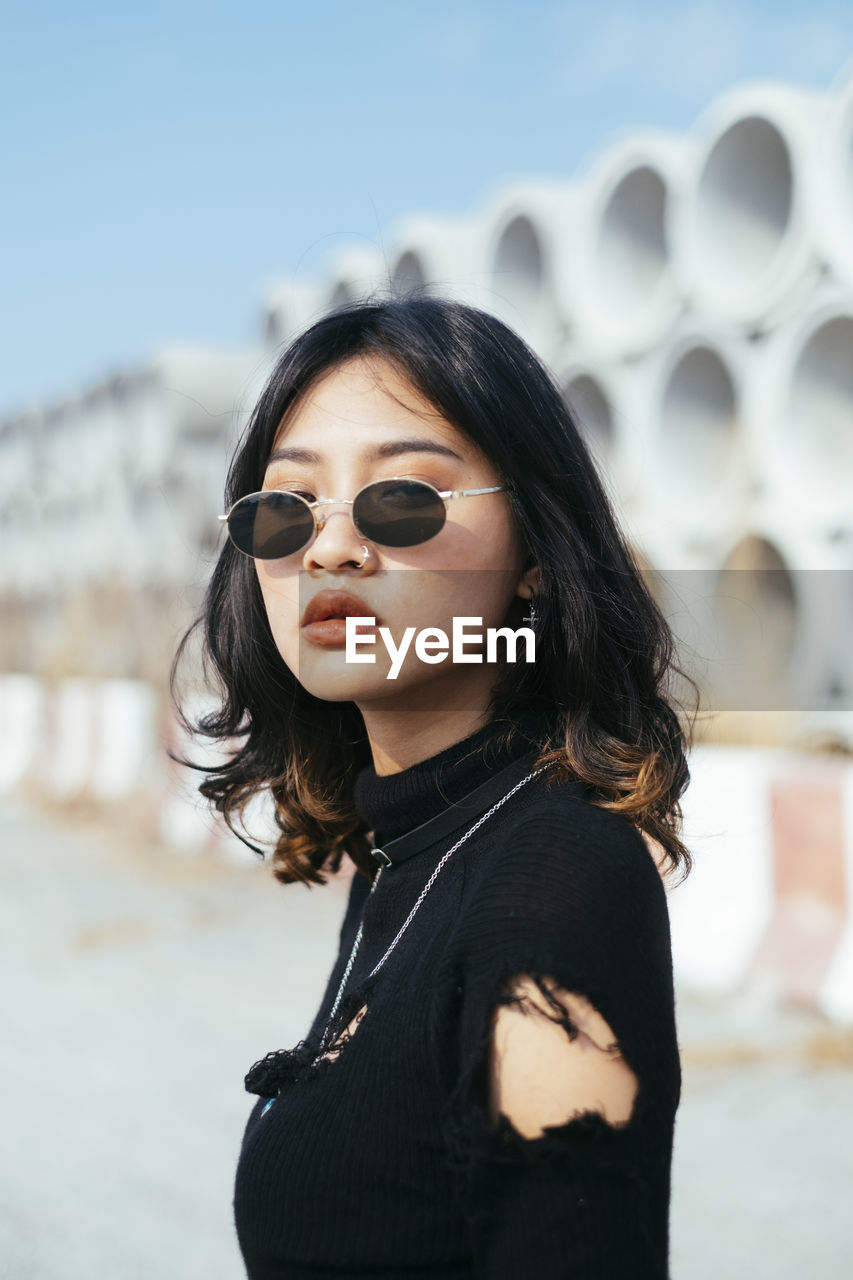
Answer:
x=331 y=633
x=325 y=618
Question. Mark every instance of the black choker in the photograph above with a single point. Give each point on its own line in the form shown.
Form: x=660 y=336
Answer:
x=462 y=812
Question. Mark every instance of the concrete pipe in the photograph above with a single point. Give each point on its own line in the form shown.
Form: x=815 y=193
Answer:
x=358 y=272
x=201 y=388
x=782 y=610
x=587 y=393
x=596 y=393
x=736 y=622
x=623 y=295
x=531 y=250
x=743 y=232
x=289 y=308
x=835 y=186
x=67 y=454
x=801 y=410
x=442 y=256
x=21 y=505
x=202 y=400
x=688 y=450
x=760 y=620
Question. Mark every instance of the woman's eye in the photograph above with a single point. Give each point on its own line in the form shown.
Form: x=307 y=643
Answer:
x=303 y=493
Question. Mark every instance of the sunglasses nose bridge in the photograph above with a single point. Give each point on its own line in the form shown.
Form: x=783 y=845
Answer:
x=320 y=517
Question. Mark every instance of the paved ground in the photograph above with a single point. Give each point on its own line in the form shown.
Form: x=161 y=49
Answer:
x=139 y=985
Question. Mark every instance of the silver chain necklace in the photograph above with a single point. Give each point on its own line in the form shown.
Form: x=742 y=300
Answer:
x=410 y=917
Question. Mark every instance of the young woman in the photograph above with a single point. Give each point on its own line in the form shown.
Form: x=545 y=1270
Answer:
x=490 y=1084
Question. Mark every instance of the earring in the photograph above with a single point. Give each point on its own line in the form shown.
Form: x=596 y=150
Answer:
x=531 y=616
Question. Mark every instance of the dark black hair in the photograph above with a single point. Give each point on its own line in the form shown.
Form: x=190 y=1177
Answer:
x=605 y=653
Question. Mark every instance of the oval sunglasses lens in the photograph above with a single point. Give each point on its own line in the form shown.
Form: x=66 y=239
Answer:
x=399 y=513
x=268 y=526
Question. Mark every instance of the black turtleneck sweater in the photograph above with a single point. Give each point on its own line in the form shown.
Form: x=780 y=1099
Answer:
x=379 y=1160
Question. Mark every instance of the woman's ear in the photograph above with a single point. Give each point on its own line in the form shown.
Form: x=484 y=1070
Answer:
x=530 y=582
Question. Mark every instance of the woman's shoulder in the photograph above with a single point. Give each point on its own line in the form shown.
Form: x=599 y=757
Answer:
x=560 y=826
x=561 y=866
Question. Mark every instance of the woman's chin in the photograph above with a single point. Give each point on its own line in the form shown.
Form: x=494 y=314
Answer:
x=325 y=674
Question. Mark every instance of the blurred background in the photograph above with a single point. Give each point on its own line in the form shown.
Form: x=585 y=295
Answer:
x=661 y=202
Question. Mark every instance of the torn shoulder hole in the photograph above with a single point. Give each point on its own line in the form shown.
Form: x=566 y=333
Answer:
x=553 y=1057
x=344 y=1037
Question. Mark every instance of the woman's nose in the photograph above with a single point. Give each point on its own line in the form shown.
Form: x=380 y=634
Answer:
x=336 y=543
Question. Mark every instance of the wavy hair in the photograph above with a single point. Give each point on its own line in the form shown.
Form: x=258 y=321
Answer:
x=605 y=653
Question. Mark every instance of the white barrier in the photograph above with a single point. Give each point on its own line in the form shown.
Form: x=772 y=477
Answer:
x=835 y=994
x=70 y=738
x=186 y=820
x=79 y=737
x=767 y=909
x=720 y=913
x=803 y=942
x=106 y=741
x=22 y=712
x=126 y=748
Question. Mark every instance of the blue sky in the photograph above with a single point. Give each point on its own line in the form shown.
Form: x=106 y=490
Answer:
x=163 y=163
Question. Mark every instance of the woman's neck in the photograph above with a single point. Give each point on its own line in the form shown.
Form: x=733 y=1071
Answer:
x=397 y=802
x=399 y=740
x=423 y=719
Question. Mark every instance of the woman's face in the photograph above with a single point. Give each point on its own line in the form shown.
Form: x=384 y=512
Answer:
x=360 y=423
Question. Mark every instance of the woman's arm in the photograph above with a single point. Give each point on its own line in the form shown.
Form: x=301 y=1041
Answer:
x=550 y=1064
x=560 y=1119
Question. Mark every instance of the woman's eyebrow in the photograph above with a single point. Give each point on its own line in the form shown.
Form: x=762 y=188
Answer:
x=390 y=449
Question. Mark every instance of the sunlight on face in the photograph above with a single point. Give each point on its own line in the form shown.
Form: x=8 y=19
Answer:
x=472 y=567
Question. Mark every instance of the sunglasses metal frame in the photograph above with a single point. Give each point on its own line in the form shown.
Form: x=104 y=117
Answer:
x=319 y=521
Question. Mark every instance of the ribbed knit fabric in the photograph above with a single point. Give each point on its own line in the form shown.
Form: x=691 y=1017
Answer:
x=379 y=1160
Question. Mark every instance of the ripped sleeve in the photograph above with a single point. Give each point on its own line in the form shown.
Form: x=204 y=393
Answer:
x=543 y=1138
x=564 y=1029
x=553 y=1057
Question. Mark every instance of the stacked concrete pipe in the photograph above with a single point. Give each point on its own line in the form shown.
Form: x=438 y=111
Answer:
x=621 y=296
x=744 y=232
x=358 y=271
x=693 y=297
x=445 y=256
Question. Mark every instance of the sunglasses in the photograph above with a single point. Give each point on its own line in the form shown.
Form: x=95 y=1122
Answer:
x=393 y=513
